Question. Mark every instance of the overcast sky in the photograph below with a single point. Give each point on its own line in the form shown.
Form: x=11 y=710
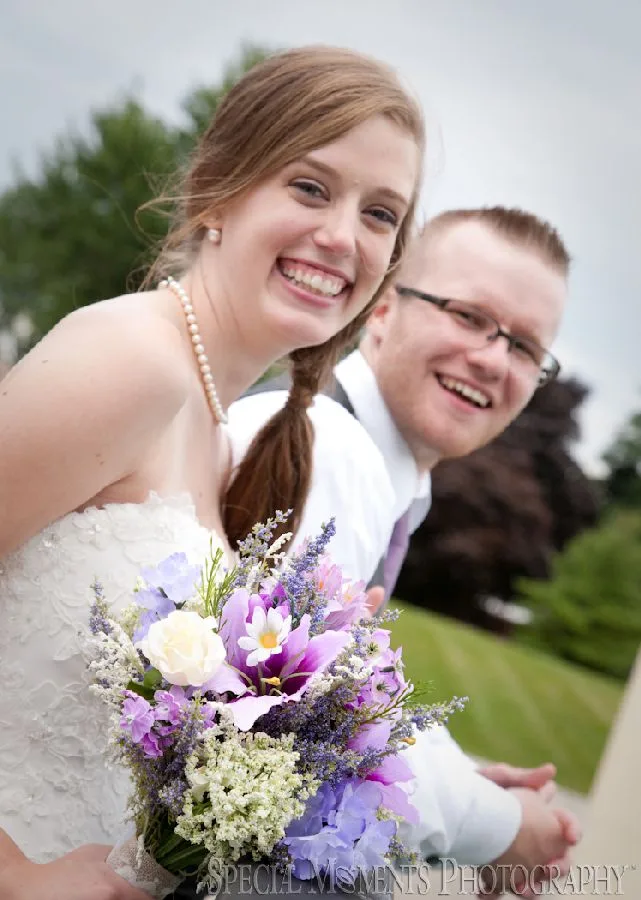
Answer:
x=531 y=104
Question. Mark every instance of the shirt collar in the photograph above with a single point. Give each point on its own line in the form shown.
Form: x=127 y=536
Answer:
x=360 y=385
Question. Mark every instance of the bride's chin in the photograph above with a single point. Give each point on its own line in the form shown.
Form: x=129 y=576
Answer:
x=297 y=329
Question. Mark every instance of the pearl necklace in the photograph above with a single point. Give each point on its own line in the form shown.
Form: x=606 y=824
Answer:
x=199 y=349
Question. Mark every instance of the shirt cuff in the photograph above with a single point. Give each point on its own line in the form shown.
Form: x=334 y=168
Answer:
x=491 y=823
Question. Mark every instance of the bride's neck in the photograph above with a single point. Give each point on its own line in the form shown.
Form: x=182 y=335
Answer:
x=239 y=352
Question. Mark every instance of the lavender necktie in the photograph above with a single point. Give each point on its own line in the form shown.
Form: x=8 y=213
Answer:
x=396 y=552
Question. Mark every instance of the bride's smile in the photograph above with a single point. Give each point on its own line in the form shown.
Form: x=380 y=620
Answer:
x=295 y=207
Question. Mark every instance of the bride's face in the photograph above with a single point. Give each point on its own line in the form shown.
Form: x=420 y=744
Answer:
x=303 y=252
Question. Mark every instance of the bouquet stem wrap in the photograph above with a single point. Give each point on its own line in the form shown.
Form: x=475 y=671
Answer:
x=141 y=870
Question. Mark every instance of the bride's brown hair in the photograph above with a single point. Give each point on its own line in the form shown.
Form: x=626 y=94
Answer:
x=282 y=109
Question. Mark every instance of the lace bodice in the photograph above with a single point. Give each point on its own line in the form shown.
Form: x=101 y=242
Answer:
x=56 y=789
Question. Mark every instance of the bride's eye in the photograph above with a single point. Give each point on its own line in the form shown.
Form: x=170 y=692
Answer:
x=311 y=189
x=384 y=216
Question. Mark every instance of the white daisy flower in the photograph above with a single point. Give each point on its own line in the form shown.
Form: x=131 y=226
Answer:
x=265 y=635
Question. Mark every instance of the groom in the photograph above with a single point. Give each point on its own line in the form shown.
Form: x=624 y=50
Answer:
x=450 y=356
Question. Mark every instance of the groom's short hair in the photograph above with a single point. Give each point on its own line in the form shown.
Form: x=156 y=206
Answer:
x=524 y=229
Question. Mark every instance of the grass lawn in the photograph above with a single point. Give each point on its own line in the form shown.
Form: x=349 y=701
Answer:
x=525 y=707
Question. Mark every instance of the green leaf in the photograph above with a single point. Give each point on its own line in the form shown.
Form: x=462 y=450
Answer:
x=152 y=679
x=136 y=688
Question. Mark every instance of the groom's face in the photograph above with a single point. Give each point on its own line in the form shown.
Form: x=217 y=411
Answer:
x=448 y=394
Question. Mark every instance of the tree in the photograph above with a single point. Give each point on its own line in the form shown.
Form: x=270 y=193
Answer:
x=589 y=611
x=623 y=483
x=73 y=235
x=502 y=512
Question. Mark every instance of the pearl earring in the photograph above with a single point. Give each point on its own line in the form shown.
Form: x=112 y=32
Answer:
x=214 y=235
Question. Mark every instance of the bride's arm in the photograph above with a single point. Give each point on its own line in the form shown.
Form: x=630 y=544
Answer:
x=81 y=411
x=81 y=875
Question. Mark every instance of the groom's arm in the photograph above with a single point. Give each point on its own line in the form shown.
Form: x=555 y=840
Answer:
x=463 y=815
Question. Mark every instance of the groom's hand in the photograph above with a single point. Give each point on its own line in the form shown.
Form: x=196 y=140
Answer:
x=540 y=779
x=541 y=850
x=375 y=599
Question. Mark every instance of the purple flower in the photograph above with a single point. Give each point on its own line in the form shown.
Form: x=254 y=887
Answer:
x=386 y=680
x=169 y=704
x=359 y=804
x=156 y=605
x=340 y=830
x=377 y=646
x=174 y=576
x=389 y=770
x=328 y=578
x=290 y=670
x=273 y=590
x=137 y=717
x=167 y=586
x=348 y=607
x=209 y=712
x=380 y=688
x=370 y=849
x=151 y=745
x=301 y=658
x=298 y=580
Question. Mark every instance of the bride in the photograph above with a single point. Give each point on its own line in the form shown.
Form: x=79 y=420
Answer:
x=292 y=216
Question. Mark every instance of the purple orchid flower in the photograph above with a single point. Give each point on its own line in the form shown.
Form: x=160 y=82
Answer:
x=290 y=670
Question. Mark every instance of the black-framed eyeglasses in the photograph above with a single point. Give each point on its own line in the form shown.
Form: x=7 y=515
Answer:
x=526 y=353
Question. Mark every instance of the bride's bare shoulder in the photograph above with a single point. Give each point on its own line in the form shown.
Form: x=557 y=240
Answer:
x=81 y=410
x=117 y=367
x=131 y=339
x=142 y=321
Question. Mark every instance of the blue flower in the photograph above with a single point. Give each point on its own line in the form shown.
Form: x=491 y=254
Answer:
x=174 y=577
x=167 y=586
x=340 y=831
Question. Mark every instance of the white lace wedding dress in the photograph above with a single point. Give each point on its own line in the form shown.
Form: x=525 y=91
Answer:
x=56 y=789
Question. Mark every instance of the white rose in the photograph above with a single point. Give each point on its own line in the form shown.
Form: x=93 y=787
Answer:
x=184 y=648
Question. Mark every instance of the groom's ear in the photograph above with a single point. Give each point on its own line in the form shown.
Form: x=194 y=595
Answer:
x=380 y=317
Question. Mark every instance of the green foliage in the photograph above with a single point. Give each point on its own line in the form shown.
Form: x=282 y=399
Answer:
x=524 y=707
x=590 y=610
x=71 y=237
x=73 y=234
x=202 y=103
x=623 y=484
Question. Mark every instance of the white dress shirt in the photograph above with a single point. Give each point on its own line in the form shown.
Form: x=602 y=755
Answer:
x=366 y=477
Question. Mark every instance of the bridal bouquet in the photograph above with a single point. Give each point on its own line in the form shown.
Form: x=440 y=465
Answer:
x=262 y=716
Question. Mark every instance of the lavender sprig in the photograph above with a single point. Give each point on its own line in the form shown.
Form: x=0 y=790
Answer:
x=302 y=595
x=254 y=548
x=172 y=793
x=99 y=614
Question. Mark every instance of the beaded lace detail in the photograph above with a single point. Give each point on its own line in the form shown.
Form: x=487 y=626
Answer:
x=57 y=790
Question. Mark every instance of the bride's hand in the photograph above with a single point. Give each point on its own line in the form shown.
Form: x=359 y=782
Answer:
x=82 y=874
